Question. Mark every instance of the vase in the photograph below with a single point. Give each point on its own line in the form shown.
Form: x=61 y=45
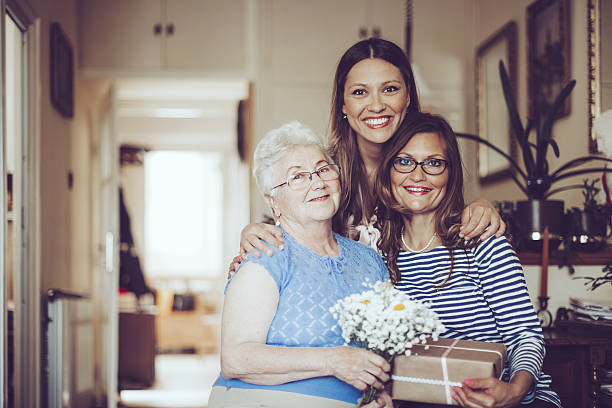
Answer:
x=586 y=230
x=533 y=216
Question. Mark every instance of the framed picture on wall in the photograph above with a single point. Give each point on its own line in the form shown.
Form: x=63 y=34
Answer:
x=492 y=118
x=548 y=55
x=62 y=78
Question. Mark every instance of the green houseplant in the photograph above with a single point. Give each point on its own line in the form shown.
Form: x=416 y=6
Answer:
x=536 y=179
x=586 y=227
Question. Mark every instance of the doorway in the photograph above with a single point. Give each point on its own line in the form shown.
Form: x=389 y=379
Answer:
x=186 y=194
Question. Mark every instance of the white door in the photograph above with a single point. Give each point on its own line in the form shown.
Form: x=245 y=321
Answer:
x=105 y=165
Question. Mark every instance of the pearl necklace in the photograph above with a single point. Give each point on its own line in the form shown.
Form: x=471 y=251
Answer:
x=420 y=250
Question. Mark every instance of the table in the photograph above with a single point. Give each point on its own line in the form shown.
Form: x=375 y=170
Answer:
x=575 y=354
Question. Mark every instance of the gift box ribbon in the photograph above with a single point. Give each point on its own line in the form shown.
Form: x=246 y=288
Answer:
x=445 y=381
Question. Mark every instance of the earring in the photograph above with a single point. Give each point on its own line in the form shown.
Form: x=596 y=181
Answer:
x=344 y=116
x=277 y=222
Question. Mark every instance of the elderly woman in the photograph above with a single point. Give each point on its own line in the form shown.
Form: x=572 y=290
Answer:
x=280 y=345
x=476 y=288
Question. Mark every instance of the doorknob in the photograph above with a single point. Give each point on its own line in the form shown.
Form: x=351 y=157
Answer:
x=170 y=29
x=363 y=33
x=157 y=29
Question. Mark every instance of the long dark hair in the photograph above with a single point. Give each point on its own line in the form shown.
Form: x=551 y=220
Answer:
x=447 y=217
x=355 y=199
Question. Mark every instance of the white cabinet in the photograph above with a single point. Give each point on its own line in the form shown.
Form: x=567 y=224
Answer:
x=303 y=40
x=208 y=34
x=120 y=34
x=163 y=35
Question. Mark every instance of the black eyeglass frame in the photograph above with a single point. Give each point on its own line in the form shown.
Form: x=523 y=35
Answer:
x=310 y=174
x=422 y=164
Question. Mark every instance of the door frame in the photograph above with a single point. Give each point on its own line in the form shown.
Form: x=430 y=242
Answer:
x=27 y=316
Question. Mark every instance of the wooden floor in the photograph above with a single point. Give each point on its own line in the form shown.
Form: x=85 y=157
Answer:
x=182 y=381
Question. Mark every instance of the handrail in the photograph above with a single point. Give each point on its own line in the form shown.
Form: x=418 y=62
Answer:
x=55 y=294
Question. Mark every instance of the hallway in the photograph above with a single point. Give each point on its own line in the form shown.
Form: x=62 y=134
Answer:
x=182 y=381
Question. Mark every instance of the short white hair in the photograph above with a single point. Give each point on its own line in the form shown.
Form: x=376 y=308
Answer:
x=275 y=145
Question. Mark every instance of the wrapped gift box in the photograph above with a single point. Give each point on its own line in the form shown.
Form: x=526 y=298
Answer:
x=430 y=372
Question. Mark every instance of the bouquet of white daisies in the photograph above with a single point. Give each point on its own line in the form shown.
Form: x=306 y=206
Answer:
x=385 y=321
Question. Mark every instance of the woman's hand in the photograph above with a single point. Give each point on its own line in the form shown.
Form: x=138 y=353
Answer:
x=233 y=266
x=253 y=236
x=481 y=218
x=383 y=401
x=493 y=393
x=252 y=240
x=358 y=367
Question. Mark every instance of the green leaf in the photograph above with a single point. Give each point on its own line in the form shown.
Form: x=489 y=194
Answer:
x=515 y=119
x=555 y=146
x=577 y=162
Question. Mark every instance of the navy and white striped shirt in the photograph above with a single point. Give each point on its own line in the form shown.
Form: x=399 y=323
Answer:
x=485 y=299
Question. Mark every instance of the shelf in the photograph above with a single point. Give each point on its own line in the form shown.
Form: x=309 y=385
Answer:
x=602 y=257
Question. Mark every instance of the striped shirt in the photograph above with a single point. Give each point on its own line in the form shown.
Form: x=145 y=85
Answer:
x=485 y=299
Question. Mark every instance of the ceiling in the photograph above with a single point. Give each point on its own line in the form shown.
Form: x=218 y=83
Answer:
x=179 y=113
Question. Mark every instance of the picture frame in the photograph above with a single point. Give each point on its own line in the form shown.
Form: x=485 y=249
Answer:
x=61 y=71
x=492 y=118
x=548 y=52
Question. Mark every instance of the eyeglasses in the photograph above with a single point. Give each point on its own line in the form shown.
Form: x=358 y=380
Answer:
x=301 y=180
x=433 y=167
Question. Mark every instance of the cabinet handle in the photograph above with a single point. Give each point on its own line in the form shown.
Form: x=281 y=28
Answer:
x=376 y=32
x=363 y=33
x=157 y=29
x=170 y=29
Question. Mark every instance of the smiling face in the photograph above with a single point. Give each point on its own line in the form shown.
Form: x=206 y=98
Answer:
x=419 y=192
x=318 y=202
x=375 y=100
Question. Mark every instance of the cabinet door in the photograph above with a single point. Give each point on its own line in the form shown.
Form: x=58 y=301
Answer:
x=119 y=34
x=388 y=17
x=303 y=40
x=208 y=35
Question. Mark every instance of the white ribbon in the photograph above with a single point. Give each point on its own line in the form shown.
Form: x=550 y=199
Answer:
x=425 y=381
x=445 y=372
x=369 y=234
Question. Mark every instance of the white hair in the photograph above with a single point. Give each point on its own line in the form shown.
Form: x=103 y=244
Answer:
x=276 y=144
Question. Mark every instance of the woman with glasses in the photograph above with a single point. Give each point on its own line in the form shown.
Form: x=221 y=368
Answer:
x=280 y=345
x=477 y=288
x=374 y=90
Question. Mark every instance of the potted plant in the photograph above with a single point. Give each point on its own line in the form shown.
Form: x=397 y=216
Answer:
x=536 y=179
x=587 y=227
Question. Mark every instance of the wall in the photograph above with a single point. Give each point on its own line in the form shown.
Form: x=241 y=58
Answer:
x=65 y=213
x=442 y=29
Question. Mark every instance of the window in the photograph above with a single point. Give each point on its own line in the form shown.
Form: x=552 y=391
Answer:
x=183 y=214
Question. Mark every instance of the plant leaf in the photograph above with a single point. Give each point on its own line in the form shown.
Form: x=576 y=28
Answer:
x=551 y=115
x=583 y=171
x=492 y=146
x=527 y=154
x=577 y=162
x=555 y=146
x=515 y=119
x=565 y=188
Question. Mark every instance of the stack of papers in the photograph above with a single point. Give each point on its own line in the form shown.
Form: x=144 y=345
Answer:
x=592 y=310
